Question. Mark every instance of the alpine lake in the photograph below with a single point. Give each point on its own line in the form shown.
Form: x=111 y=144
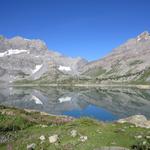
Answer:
x=104 y=104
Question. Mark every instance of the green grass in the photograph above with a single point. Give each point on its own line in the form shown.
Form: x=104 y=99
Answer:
x=145 y=75
x=143 y=78
x=95 y=72
x=135 y=62
x=24 y=128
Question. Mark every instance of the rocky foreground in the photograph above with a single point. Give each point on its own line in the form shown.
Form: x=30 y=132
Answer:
x=23 y=129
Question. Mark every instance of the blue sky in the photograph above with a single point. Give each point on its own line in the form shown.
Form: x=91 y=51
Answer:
x=86 y=28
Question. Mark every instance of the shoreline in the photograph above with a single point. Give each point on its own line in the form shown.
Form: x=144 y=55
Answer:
x=33 y=128
x=139 y=86
x=133 y=119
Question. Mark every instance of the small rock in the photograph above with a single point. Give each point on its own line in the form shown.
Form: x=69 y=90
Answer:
x=42 y=138
x=123 y=130
x=53 y=138
x=148 y=137
x=98 y=131
x=137 y=120
x=5 y=138
x=74 y=133
x=113 y=143
x=43 y=126
x=31 y=146
x=83 y=138
x=138 y=137
x=144 y=142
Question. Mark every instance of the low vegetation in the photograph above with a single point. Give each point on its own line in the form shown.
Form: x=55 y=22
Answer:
x=136 y=62
x=95 y=72
x=97 y=76
x=20 y=129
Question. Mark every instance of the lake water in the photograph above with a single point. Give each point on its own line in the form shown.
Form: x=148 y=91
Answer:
x=102 y=104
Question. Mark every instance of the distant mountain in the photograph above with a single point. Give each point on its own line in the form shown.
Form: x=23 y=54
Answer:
x=24 y=59
x=30 y=61
x=130 y=62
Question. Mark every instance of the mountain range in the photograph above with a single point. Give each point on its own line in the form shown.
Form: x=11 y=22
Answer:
x=30 y=61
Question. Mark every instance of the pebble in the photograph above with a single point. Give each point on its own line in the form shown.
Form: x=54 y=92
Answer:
x=42 y=138
x=31 y=146
x=53 y=138
x=43 y=126
x=148 y=137
x=138 y=137
x=144 y=142
x=74 y=133
x=83 y=138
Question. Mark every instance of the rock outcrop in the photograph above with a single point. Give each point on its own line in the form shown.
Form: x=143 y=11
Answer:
x=24 y=59
x=137 y=120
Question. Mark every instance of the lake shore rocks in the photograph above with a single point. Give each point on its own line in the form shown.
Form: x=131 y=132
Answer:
x=53 y=132
x=137 y=120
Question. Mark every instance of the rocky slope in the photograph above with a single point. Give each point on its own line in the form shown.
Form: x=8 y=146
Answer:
x=22 y=59
x=30 y=61
x=129 y=62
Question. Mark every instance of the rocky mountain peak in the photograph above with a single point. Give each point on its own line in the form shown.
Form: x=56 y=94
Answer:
x=143 y=36
x=22 y=58
x=20 y=43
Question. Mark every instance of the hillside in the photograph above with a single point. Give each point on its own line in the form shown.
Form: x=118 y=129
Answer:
x=30 y=61
x=128 y=63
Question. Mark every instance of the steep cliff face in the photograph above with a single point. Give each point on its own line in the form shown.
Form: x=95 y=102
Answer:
x=21 y=58
x=128 y=62
x=30 y=59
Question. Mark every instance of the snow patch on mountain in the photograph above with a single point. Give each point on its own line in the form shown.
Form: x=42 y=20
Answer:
x=13 y=52
x=36 y=100
x=64 y=99
x=64 y=68
x=37 y=68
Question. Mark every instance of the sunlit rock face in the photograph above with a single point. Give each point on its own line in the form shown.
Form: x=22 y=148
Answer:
x=128 y=62
x=22 y=58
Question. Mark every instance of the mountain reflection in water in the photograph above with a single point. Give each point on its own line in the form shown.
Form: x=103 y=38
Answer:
x=102 y=104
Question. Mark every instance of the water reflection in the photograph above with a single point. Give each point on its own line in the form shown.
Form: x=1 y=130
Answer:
x=103 y=104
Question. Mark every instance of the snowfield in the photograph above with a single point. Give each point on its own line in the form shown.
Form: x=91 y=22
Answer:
x=13 y=52
x=64 y=68
x=37 y=68
x=64 y=99
x=36 y=100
